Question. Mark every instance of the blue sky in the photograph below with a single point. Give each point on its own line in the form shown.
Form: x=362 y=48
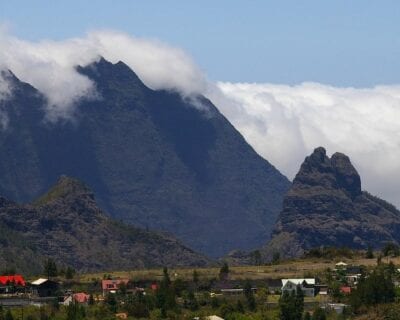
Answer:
x=342 y=42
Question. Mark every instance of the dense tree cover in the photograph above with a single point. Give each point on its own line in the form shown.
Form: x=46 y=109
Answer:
x=391 y=249
x=330 y=253
x=291 y=305
x=50 y=268
x=224 y=271
x=375 y=289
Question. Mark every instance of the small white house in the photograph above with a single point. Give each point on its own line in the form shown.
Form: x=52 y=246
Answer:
x=341 y=265
x=307 y=285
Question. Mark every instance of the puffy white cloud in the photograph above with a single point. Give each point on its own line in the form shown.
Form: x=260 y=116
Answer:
x=285 y=123
x=50 y=65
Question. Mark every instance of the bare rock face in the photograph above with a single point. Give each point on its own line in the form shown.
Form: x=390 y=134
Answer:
x=326 y=207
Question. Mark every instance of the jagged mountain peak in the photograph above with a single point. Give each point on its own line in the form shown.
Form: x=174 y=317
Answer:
x=336 y=172
x=326 y=207
x=108 y=75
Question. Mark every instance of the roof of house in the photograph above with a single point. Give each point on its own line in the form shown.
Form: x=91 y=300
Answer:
x=345 y=289
x=309 y=281
x=113 y=284
x=353 y=270
x=341 y=264
x=39 y=281
x=16 y=278
x=81 y=297
x=273 y=283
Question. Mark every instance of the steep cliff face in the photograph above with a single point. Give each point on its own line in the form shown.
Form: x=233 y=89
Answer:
x=153 y=159
x=67 y=225
x=326 y=207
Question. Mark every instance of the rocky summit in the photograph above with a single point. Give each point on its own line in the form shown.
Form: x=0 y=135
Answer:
x=67 y=225
x=326 y=207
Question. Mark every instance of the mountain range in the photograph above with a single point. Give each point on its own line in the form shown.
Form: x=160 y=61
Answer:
x=154 y=159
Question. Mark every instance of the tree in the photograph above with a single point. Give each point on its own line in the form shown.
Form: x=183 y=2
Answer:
x=69 y=273
x=224 y=271
x=214 y=302
x=8 y=315
x=291 y=306
x=248 y=293
x=299 y=302
x=369 y=254
x=91 y=300
x=286 y=306
x=50 y=268
x=391 y=249
x=165 y=295
x=319 y=314
x=192 y=301
x=276 y=257
x=239 y=307
x=111 y=302
x=375 y=289
x=256 y=257
x=307 y=316
x=138 y=306
x=75 y=311
x=195 y=277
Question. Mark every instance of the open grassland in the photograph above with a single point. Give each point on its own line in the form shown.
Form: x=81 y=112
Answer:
x=286 y=269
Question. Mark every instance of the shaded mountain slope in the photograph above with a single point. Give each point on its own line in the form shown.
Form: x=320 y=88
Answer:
x=67 y=225
x=153 y=159
x=326 y=207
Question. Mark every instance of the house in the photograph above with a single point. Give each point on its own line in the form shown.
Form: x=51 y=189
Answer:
x=353 y=274
x=10 y=283
x=67 y=300
x=306 y=285
x=81 y=297
x=341 y=265
x=230 y=287
x=112 y=286
x=345 y=290
x=214 y=317
x=337 y=307
x=274 y=285
x=45 y=287
x=321 y=289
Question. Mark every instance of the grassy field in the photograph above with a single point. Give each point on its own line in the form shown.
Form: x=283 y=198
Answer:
x=286 y=269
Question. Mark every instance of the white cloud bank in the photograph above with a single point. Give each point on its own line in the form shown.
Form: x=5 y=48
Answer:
x=282 y=123
x=285 y=123
x=50 y=65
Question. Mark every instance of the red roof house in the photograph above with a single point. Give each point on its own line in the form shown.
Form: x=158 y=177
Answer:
x=154 y=286
x=17 y=279
x=81 y=297
x=345 y=290
x=112 y=285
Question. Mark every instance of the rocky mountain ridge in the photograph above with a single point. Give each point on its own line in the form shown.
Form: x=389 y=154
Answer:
x=326 y=206
x=67 y=225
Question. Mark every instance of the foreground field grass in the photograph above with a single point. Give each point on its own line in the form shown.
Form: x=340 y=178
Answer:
x=285 y=269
